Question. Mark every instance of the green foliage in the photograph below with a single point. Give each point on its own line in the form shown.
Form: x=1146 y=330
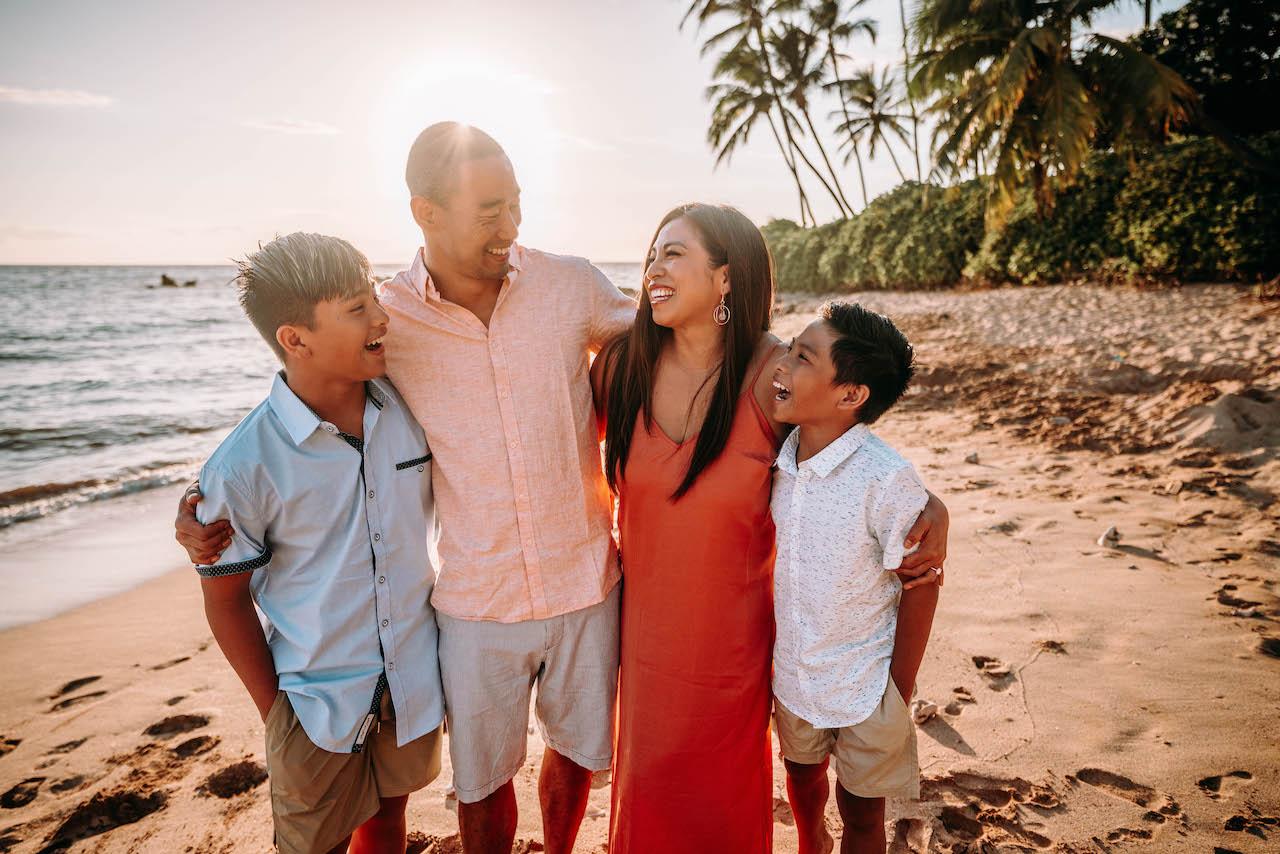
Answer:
x=1188 y=211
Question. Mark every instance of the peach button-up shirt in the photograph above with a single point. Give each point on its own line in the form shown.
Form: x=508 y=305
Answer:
x=525 y=512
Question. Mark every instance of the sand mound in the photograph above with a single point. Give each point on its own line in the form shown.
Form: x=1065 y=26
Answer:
x=1246 y=421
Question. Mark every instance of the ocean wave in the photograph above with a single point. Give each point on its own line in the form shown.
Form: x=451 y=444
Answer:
x=33 y=502
x=86 y=435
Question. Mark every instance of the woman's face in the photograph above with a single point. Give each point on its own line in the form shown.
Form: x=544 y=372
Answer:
x=684 y=288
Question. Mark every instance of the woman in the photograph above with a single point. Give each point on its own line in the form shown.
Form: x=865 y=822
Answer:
x=690 y=440
x=689 y=446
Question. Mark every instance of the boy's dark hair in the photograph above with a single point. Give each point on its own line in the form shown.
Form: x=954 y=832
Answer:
x=436 y=154
x=281 y=283
x=869 y=350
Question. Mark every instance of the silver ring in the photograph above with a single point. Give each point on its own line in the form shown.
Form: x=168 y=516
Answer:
x=937 y=570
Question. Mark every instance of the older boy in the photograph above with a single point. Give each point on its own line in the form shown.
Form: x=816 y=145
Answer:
x=327 y=486
x=850 y=637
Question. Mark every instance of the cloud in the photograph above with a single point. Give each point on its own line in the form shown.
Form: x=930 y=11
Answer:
x=294 y=126
x=54 y=97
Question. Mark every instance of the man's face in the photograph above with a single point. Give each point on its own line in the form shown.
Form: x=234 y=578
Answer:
x=345 y=338
x=473 y=229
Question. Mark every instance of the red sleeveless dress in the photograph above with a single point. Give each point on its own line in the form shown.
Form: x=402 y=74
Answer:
x=692 y=769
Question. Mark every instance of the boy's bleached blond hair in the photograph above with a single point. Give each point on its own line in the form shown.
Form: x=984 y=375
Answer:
x=281 y=283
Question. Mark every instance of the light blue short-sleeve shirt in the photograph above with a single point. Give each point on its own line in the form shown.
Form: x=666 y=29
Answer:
x=336 y=532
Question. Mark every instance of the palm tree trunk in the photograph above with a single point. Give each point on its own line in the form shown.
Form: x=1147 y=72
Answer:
x=762 y=47
x=795 y=175
x=894 y=158
x=818 y=174
x=911 y=102
x=846 y=209
x=1146 y=14
x=848 y=120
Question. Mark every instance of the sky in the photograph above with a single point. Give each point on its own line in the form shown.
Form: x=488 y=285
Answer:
x=186 y=133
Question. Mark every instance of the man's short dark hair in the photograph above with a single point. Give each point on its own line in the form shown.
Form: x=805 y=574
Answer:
x=438 y=151
x=869 y=350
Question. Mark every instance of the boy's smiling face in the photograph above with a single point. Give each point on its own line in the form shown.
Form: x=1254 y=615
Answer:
x=804 y=381
x=345 y=340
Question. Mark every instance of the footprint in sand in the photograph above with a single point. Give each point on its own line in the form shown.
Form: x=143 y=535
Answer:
x=173 y=662
x=782 y=813
x=173 y=701
x=961 y=698
x=998 y=674
x=8 y=744
x=1056 y=647
x=981 y=811
x=74 y=685
x=235 y=779
x=67 y=746
x=1255 y=823
x=1269 y=646
x=1159 y=805
x=75 y=781
x=195 y=746
x=21 y=794
x=101 y=813
x=1223 y=785
x=176 y=724
x=422 y=843
x=62 y=705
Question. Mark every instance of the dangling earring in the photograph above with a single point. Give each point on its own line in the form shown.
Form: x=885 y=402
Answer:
x=721 y=313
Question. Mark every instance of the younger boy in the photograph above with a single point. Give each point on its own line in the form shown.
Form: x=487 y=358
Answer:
x=327 y=490
x=849 y=636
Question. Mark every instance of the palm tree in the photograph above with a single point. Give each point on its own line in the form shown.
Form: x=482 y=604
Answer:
x=739 y=99
x=802 y=72
x=876 y=113
x=906 y=79
x=1027 y=88
x=745 y=33
x=827 y=17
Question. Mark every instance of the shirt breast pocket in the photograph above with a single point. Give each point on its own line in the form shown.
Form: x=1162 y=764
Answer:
x=416 y=464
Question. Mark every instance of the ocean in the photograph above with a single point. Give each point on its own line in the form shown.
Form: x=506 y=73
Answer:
x=112 y=384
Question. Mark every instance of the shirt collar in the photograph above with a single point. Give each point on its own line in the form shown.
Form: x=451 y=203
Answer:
x=299 y=420
x=825 y=461
x=420 y=278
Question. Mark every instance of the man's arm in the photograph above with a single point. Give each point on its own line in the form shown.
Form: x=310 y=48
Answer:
x=930 y=531
x=915 y=618
x=228 y=606
x=612 y=311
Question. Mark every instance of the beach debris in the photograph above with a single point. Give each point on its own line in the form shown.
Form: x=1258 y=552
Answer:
x=190 y=283
x=972 y=458
x=1053 y=646
x=923 y=710
x=1110 y=538
x=167 y=281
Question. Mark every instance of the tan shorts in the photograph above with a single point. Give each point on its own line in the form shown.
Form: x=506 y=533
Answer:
x=319 y=798
x=489 y=668
x=875 y=758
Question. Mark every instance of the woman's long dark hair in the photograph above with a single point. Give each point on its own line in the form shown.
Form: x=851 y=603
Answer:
x=729 y=238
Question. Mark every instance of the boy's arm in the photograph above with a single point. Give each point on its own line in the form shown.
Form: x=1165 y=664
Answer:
x=915 y=618
x=225 y=584
x=228 y=606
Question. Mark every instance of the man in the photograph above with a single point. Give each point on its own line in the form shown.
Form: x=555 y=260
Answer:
x=489 y=344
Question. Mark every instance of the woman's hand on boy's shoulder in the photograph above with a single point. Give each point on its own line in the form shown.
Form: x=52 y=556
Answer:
x=204 y=544
x=926 y=565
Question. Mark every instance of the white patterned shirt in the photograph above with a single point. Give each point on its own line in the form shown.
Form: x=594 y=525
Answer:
x=841 y=517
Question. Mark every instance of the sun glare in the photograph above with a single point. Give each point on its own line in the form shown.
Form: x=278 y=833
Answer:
x=510 y=105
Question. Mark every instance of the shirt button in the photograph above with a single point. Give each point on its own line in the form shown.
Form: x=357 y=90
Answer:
x=377 y=537
x=371 y=493
x=386 y=622
x=391 y=665
x=511 y=444
x=382 y=579
x=422 y=468
x=329 y=428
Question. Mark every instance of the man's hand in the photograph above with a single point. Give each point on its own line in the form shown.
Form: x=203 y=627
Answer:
x=204 y=543
x=927 y=564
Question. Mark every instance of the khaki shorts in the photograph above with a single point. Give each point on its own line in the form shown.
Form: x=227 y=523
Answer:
x=490 y=668
x=875 y=758
x=319 y=798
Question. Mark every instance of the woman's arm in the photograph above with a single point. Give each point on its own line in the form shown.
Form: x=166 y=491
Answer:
x=770 y=349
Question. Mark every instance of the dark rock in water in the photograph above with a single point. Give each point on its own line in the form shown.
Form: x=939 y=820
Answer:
x=189 y=283
x=166 y=281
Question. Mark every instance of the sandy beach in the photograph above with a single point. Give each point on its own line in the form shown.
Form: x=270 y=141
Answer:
x=1091 y=694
